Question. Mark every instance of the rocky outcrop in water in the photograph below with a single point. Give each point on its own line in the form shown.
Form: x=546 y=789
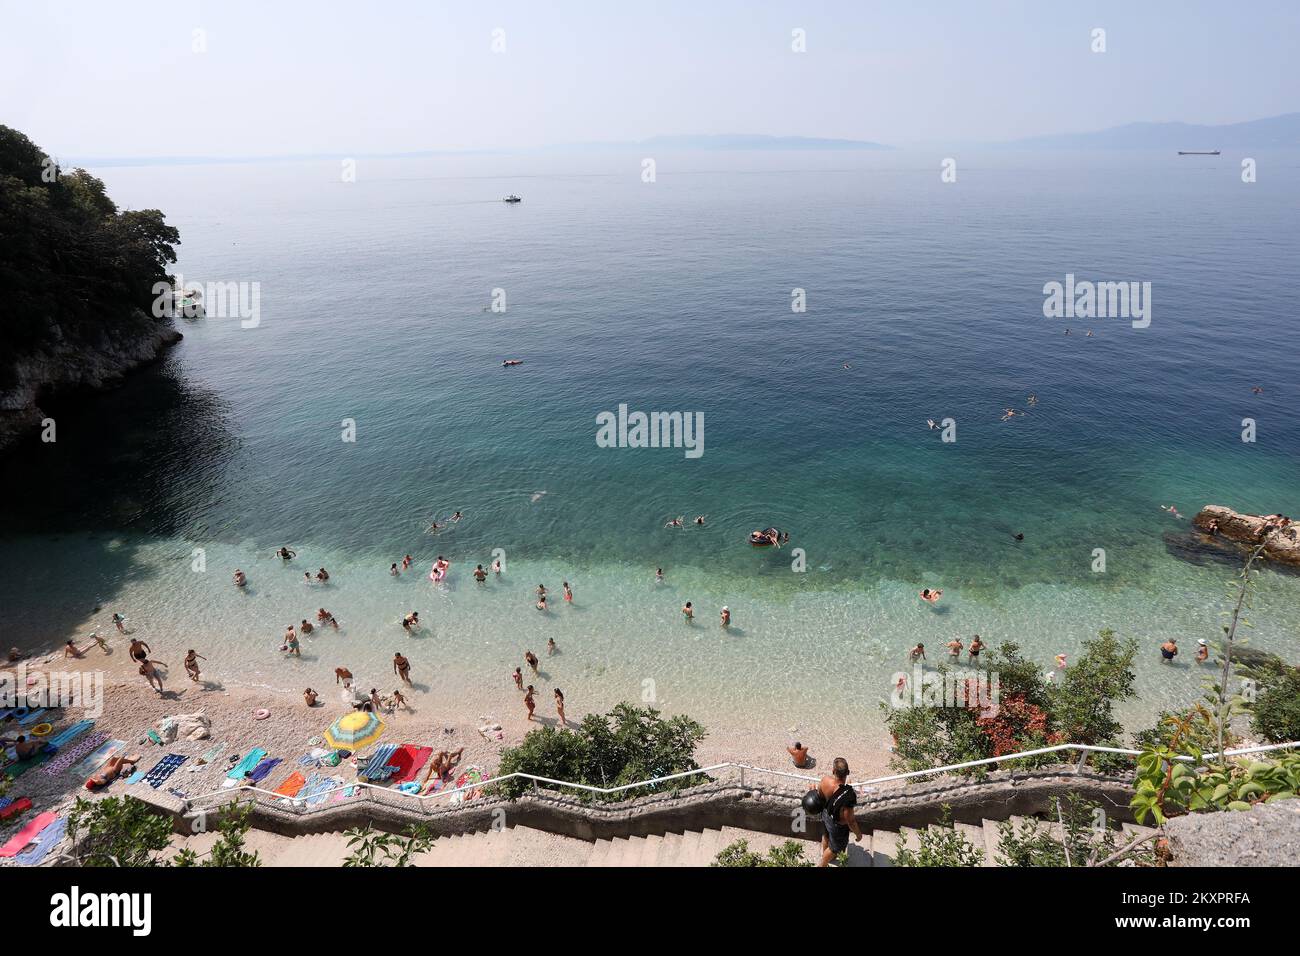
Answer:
x=1280 y=544
x=68 y=366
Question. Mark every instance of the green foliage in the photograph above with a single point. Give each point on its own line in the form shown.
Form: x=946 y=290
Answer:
x=940 y=845
x=1166 y=787
x=789 y=853
x=1275 y=713
x=229 y=850
x=1079 y=837
x=117 y=831
x=75 y=269
x=626 y=745
x=1081 y=705
x=1078 y=709
x=373 y=848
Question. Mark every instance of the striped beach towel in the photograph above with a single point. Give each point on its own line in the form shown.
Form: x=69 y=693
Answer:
x=377 y=767
x=68 y=734
x=71 y=754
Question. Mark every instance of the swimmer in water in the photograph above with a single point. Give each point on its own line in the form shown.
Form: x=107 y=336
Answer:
x=240 y=578
x=931 y=422
x=726 y=616
x=285 y=554
x=479 y=574
x=688 y=612
x=917 y=653
x=674 y=523
x=322 y=575
x=456 y=516
x=406 y=562
x=305 y=626
x=1010 y=413
x=550 y=647
x=541 y=602
x=699 y=519
x=568 y=592
x=659 y=576
x=392 y=569
x=496 y=566
x=1032 y=400
x=518 y=675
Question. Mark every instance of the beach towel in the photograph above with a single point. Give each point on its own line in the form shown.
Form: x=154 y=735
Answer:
x=40 y=848
x=209 y=757
x=18 y=842
x=68 y=734
x=31 y=717
x=409 y=760
x=251 y=760
x=263 y=769
x=163 y=769
x=377 y=767
x=74 y=752
x=13 y=807
x=315 y=792
x=473 y=774
x=19 y=767
x=292 y=785
x=96 y=758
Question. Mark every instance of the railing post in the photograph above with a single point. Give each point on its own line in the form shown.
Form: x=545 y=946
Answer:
x=742 y=777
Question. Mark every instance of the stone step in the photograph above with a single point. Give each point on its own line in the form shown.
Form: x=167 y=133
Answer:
x=670 y=850
x=992 y=841
x=884 y=847
x=974 y=835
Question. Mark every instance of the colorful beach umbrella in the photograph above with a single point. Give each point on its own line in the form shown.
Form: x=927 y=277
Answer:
x=354 y=731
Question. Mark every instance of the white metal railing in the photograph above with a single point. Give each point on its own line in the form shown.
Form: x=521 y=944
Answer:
x=421 y=801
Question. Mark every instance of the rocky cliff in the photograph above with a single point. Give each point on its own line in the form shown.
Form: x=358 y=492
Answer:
x=1280 y=544
x=66 y=364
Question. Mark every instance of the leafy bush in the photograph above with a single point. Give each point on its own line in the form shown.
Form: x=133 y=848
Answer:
x=229 y=850
x=117 y=831
x=1275 y=713
x=373 y=848
x=940 y=845
x=607 y=750
x=1084 y=840
x=789 y=853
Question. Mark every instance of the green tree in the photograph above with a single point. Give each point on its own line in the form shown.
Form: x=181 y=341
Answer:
x=789 y=853
x=117 y=831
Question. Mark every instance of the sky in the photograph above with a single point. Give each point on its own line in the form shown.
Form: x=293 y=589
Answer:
x=124 y=79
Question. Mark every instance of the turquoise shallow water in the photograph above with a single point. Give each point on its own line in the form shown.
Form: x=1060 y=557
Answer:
x=675 y=296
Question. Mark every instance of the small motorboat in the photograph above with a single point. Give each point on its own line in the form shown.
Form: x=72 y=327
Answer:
x=767 y=538
x=512 y=198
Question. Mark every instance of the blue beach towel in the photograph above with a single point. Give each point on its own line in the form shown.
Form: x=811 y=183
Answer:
x=377 y=766
x=31 y=717
x=49 y=838
x=163 y=769
x=68 y=733
x=251 y=760
x=264 y=768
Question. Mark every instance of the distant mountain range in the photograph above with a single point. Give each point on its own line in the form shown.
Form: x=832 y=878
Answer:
x=730 y=141
x=1275 y=131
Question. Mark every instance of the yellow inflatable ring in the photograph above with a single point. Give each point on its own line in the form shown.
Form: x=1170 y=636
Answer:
x=40 y=730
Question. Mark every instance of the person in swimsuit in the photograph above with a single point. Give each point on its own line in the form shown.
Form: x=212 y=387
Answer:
x=529 y=702
x=699 y=519
x=496 y=567
x=799 y=754
x=976 y=645
x=1168 y=651
x=150 y=673
x=291 y=643
x=406 y=562
x=398 y=700
x=726 y=616
x=688 y=612
x=559 y=706
x=139 y=650
x=518 y=676
x=305 y=626
x=192 y=664
x=550 y=647
x=917 y=653
x=322 y=575
x=70 y=649
x=541 y=603
x=306 y=577
x=392 y=569
x=456 y=516
x=954 y=649
x=659 y=576
x=568 y=592
x=114 y=768
x=531 y=659
x=119 y=622
x=402 y=667
x=838 y=819
x=479 y=574
x=241 y=579
x=285 y=554
x=1202 y=651
x=342 y=675
x=310 y=696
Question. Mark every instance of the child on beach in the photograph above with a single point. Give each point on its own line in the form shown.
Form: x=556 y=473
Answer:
x=529 y=702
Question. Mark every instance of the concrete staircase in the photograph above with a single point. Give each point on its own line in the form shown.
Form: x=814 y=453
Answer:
x=522 y=846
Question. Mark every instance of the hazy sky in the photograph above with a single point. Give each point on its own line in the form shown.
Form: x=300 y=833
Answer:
x=99 y=78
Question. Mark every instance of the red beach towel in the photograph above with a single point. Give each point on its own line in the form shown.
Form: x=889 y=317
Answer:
x=27 y=834
x=408 y=760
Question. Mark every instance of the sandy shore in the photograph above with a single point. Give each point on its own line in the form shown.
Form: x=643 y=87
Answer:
x=131 y=708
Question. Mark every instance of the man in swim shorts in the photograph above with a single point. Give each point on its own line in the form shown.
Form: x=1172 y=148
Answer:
x=838 y=819
x=1168 y=651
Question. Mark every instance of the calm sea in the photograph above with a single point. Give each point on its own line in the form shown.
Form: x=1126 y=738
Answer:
x=924 y=300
